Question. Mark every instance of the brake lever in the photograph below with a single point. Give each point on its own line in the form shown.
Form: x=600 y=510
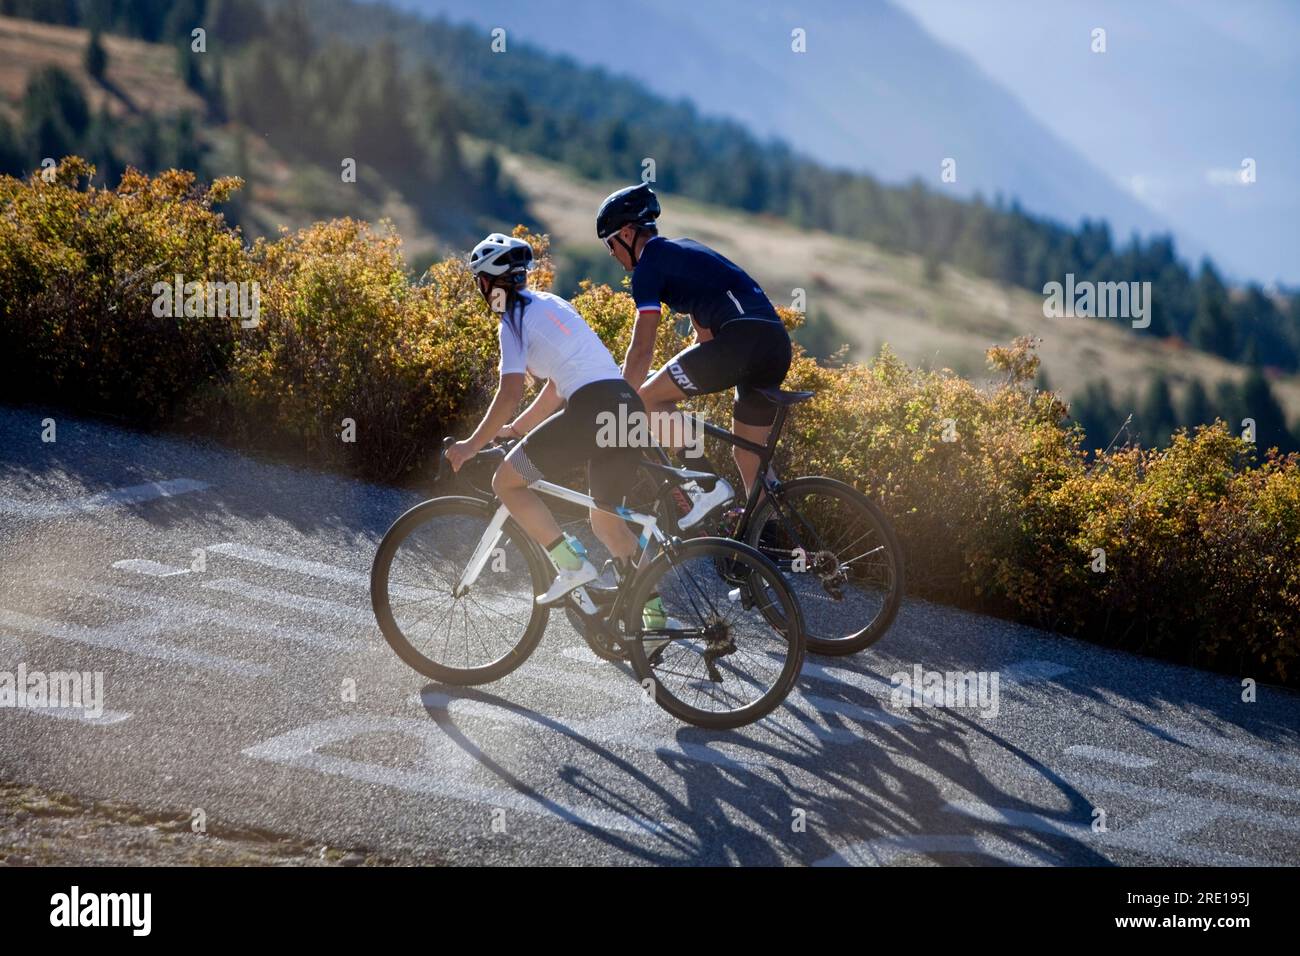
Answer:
x=443 y=467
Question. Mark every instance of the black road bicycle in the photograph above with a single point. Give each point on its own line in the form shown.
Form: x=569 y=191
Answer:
x=454 y=580
x=835 y=546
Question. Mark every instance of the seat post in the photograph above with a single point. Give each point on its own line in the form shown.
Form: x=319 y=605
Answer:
x=778 y=423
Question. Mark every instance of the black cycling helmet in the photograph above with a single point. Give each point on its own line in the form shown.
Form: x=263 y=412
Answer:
x=635 y=205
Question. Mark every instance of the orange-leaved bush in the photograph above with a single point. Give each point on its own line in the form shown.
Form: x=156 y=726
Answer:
x=78 y=270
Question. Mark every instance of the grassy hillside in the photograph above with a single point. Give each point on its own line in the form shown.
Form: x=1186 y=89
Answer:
x=143 y=75
x=874 y=297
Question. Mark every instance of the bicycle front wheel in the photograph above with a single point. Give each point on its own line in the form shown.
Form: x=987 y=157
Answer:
x=840 y=556
x=453 y=633
x=717 y=661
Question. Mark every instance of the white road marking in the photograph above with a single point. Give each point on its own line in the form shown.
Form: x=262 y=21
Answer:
x=179 y=613
x=273 y=596
x=153 y=569
x=255 y=592
x=106 y=717
x=11 y=649
x=284 y=562
x=118 y=497
x=319 y=569
x=873 y=684
x=130 y=637
x=1166 y=832
x=1019 y=819
x=625 y=728
x=1262 y=788
x=1204 y=742
x=1117 y=757
x=856 y=712
x=444 y=761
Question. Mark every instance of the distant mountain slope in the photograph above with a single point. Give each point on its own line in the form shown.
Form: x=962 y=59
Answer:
x=871 y=297
x=874 y=91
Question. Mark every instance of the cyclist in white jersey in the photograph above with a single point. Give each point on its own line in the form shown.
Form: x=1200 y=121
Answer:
x=543 y=335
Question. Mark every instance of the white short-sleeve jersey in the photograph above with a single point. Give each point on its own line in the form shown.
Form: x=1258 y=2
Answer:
x=557 y=345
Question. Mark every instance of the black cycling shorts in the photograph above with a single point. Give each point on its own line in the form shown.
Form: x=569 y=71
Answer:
x=745 y=353
x=573 y=436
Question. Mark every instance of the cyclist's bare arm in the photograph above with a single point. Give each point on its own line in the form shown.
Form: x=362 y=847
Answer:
x=510 y=392
x=546 y=404
x=641 y=350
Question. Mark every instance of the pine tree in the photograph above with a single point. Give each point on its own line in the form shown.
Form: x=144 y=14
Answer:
x=1196 y=405
x=55 y=114
x=96 y=58
x=13 y=162
x=1211 y=329
x=1095 y=411
x=1156 y=416
x=1260 y=404
x=1228 y=404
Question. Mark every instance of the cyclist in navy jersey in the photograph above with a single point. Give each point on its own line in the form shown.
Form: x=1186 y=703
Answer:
x=740 y=341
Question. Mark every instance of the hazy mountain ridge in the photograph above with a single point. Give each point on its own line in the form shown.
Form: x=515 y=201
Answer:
x=874 y=92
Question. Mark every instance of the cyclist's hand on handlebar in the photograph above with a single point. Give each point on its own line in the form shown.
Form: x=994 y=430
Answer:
x=460 y=453
x=507 y=433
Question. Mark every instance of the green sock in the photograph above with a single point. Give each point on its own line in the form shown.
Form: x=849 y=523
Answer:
x=564 y=557
x=653 y=615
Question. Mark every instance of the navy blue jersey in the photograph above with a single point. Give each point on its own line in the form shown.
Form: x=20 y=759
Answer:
x=692 y=278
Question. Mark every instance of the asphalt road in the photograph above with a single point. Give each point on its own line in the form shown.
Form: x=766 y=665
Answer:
x=259 y=690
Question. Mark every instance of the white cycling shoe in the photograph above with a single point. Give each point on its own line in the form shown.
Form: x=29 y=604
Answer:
x=566 y=581
x=703 y=503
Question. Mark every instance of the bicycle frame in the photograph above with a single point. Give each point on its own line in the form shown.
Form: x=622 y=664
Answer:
x=768 y=480
x=649 y=525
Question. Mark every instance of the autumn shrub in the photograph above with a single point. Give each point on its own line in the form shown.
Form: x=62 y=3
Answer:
x=77 y=271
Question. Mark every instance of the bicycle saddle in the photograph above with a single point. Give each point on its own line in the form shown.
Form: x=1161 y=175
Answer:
x=777 y=397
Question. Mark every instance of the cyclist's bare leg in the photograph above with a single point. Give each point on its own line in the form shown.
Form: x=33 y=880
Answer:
x=660 y=395
x=613 y=534
x=525 y=505
x=747 y=461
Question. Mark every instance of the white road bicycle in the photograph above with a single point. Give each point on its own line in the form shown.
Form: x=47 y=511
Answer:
x=453 y=588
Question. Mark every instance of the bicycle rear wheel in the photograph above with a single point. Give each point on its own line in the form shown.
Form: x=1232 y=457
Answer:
x=841 y=557
x=472 y=637
x=721 y=662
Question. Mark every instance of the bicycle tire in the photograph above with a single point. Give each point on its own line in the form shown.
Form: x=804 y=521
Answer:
x=819 y=639
x=475 y=510
x=762 y=571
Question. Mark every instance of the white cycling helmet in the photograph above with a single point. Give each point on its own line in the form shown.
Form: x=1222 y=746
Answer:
x=499 y=254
